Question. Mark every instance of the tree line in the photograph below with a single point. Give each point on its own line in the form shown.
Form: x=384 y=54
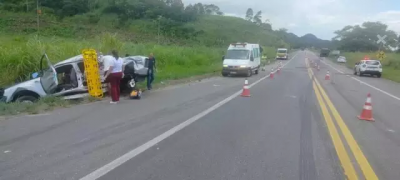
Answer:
x=364 y=38
x=169 y=15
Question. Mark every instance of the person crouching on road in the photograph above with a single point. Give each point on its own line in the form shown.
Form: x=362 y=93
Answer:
x=150 y=71
x=114 y=76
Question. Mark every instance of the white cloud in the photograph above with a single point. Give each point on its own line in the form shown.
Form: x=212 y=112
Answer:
x=292 y=25
x=320 y=17
x=391 y=18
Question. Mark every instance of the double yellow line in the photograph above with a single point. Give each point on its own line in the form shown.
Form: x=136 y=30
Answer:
x=344 y=158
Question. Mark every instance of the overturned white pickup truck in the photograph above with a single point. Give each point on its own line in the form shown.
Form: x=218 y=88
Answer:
x=67 y=79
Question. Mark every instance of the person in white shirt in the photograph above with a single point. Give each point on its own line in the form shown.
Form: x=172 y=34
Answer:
x=114 y=75
x=107 y=61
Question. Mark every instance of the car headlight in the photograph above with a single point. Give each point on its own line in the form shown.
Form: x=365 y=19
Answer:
x=243 y=66
x=225 y=65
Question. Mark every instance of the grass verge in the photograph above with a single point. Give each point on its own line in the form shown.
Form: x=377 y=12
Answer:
x=42 y=105
x=20 y=55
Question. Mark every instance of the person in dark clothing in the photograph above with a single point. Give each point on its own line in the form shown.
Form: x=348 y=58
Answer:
x=150 y=72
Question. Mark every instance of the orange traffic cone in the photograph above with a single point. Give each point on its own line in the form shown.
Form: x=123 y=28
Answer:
x=279 y=70
x=366 y=113
x=246 y=90
x=271 y=75
x=327 y=76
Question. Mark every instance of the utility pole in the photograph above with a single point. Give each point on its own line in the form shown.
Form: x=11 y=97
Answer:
x=158 y=33
x=38 y=12
x=27 y=6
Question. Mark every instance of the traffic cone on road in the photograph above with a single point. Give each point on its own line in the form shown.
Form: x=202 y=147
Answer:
x=327 y=76
x=279 y=70
x=246 y=90
x=366 y=113
x=318 y=68
x=271 y=75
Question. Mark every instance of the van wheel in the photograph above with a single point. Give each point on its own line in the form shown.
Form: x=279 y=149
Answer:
x=26 y=99
x=379 y=75
x=249 y=73
x=256 y=71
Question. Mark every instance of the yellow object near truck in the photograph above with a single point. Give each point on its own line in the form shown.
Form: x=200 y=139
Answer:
x=282 y=53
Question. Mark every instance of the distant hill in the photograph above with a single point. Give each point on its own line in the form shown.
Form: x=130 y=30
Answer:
x=308 y=40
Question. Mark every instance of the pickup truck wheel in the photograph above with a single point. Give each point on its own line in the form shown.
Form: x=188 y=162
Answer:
x=379 y=75
x=26 y=99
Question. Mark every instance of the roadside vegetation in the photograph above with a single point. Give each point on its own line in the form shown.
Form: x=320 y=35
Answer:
x=186 y=40
x=356 y=42
x=42 y=105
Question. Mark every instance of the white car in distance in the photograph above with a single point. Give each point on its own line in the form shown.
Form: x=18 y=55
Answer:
x=371 y=67
x=341 y=59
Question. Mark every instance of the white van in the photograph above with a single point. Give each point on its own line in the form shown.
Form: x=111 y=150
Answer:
x=242 y=59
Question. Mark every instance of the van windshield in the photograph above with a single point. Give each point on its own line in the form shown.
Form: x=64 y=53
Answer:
x=282 y=51
x=237 y=54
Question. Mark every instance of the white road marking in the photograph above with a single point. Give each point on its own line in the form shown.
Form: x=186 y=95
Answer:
x=7 y=151
x=391 y=130
x=131 y=154
x=362 y=82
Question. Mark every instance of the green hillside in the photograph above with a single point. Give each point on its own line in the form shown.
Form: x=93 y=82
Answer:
x=187 y=40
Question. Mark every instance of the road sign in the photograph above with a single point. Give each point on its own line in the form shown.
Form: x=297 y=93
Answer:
x=381 y=39
x=381 y=55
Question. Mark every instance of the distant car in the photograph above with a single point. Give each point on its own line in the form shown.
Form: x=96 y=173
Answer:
x=58 y=80
x=341 y=59
x=371 y=67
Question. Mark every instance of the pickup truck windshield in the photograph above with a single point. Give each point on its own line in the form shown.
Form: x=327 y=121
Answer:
x=237 y=54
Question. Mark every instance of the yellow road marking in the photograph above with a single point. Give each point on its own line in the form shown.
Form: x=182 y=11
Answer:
x=366 y=168
x=344 y=158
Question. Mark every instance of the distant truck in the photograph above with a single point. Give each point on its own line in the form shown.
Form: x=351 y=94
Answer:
x=324 y=52
x=335 y=53
x=282 y=53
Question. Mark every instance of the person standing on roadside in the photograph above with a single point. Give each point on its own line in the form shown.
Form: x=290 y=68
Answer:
x=107 y=60
x=150 y=71
x=114 y=75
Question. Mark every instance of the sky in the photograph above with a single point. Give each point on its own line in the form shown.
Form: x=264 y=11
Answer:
x=319 y=17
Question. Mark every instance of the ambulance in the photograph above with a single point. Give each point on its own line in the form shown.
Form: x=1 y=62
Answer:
x=242 y=59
